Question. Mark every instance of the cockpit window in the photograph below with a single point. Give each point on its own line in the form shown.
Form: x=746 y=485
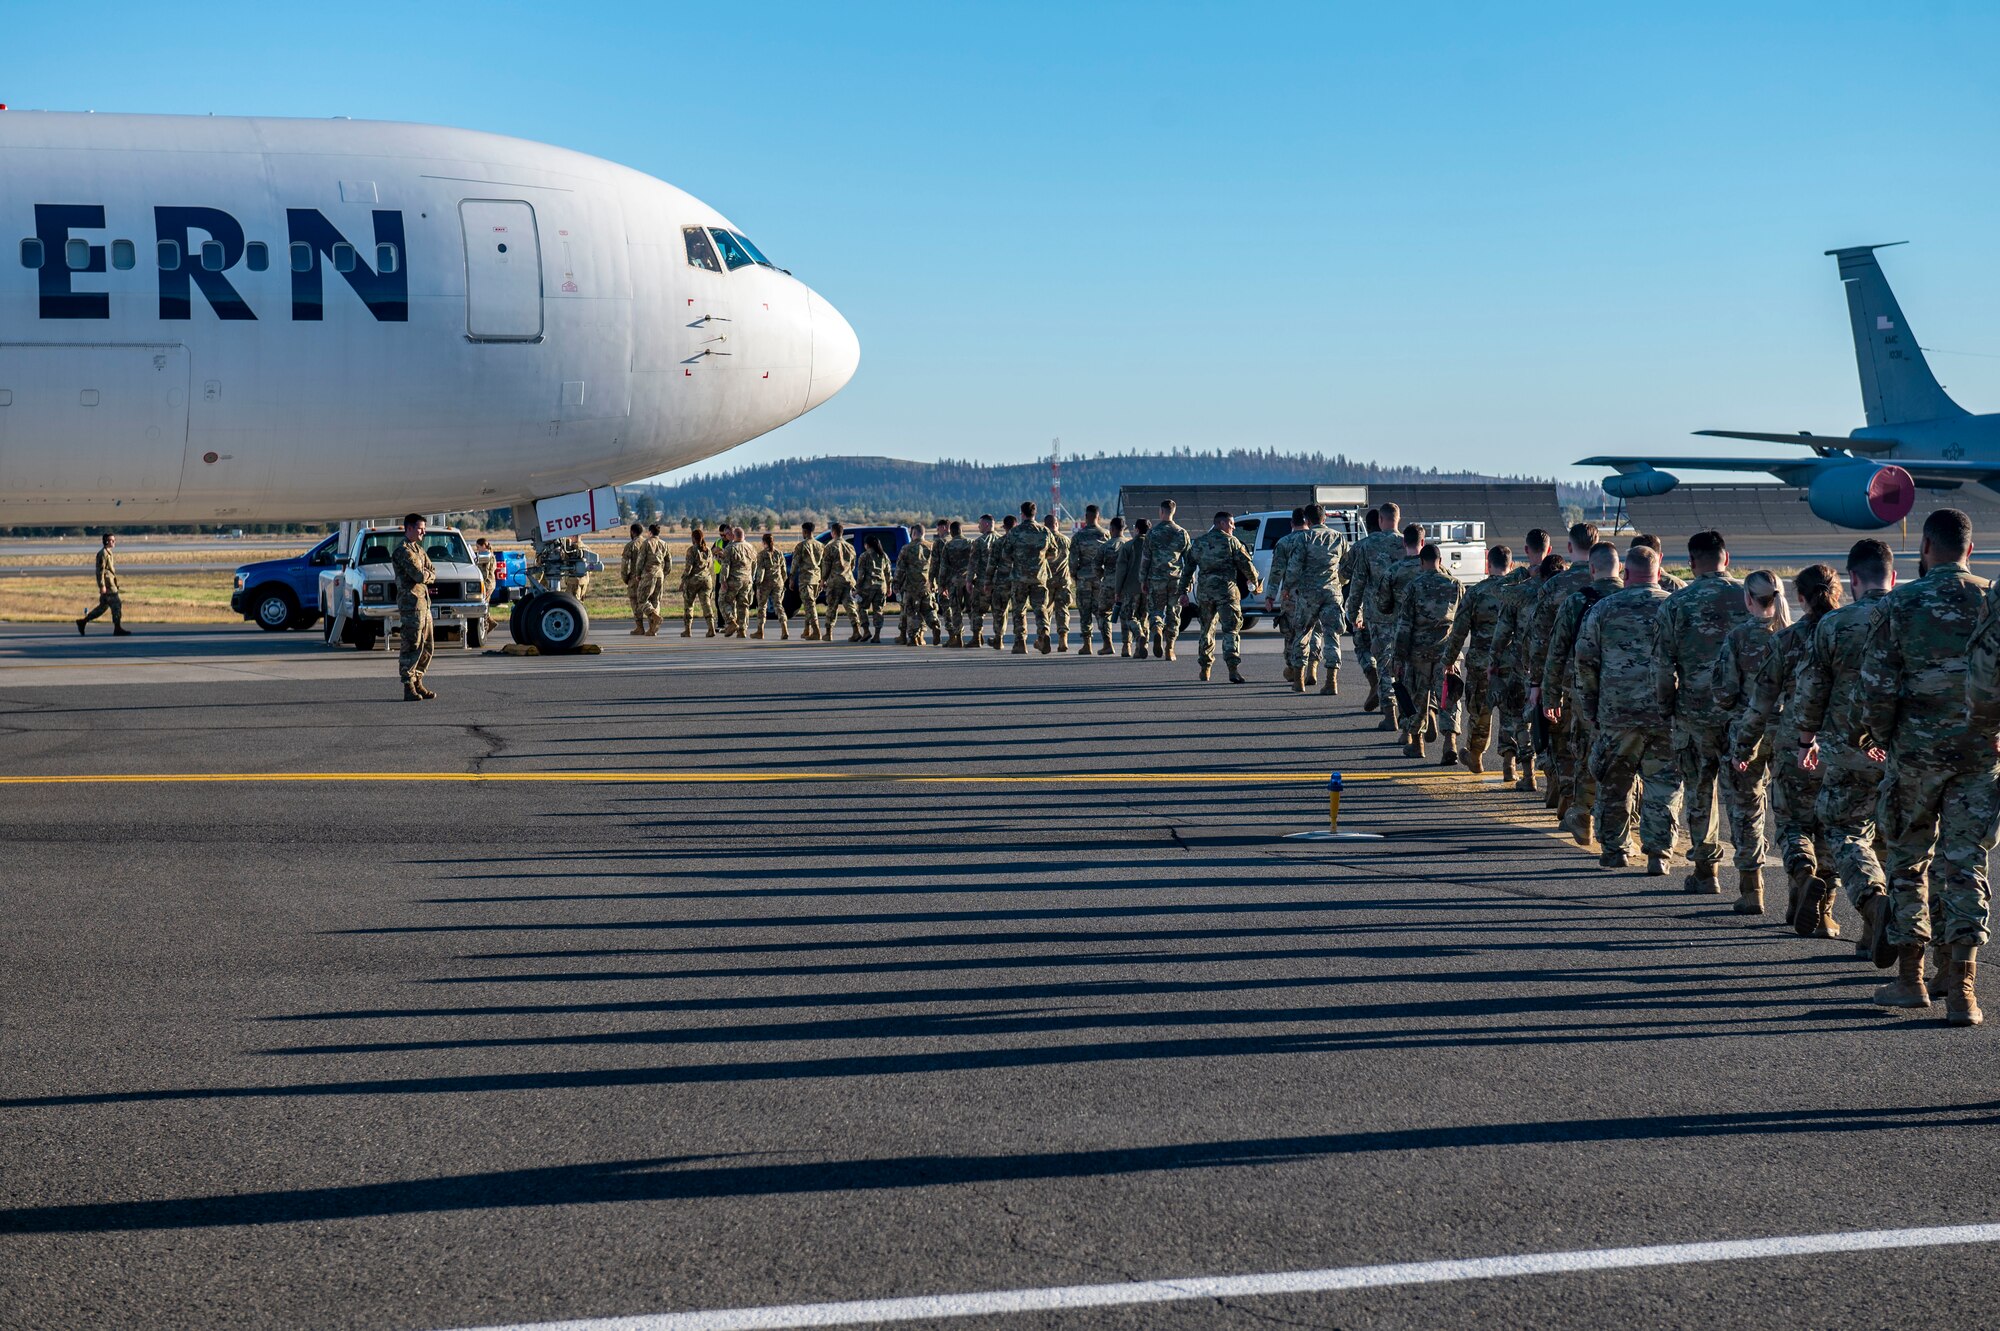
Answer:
x=701 y=254
x=755 y=253
x=731 y=249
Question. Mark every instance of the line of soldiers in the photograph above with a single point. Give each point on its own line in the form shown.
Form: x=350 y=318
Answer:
x=1867 y=731
x=949 y=585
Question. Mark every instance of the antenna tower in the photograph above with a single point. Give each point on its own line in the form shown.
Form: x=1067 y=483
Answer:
x=1055 y=481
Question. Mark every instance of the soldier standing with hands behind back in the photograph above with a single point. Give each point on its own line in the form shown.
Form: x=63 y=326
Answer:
x=414 y=579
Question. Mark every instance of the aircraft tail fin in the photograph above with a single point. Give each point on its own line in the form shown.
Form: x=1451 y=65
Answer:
x=1896 y=382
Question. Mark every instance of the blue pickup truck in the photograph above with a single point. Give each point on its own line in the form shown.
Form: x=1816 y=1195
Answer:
x=280 y=594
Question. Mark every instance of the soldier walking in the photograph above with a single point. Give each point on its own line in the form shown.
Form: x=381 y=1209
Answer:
x=1558 y=761
x=1312 y=589
x=1768 y=727
x=647 y=581
x=738 y=578
x=1834 y=740
x=1509 y=690
x=1164 y=569
x=808 y=566
x=1474 y=629
x=769 y=574
x=1388 y=594
x=981 y=592
x=954 y=585
x=1219 y=569
x=1374 y=555
x=1128 y=589
x=1277 y=602
x=628 y=574
x=1696 y=620
x=1746 y=789
x=1062 y=585
x=698 y=584
x=1941 y=802
x=1562 y=708
x=914 y=588
x=414 y=579
x=1022 y=558
x=1086 y=566
x=1615 y=653
x=1426 y=607
x=839 y=569
x=871 y=583
x=108 y=596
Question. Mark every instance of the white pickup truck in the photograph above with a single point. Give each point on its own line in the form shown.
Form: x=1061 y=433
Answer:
x=357 y=596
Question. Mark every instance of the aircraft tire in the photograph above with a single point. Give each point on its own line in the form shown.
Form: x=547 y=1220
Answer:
x=517 y=622
x=557 y=624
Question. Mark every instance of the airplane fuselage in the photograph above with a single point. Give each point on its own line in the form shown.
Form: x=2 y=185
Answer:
x=213 y=318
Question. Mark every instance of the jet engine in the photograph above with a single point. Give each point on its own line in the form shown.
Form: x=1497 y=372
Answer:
x=1865 y=496
x=1640 y=482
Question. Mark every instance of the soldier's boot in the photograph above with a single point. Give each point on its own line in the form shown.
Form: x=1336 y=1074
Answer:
x=1298 y=679
x=1124 y=649
x=1939 y=985
x=1312 y=671
x=785 y=630
x=1431 y=728
x=758 y=632
x=1823 y=923
x=1413 y=745
x=1292 y=673
x=1552 y=796
x=996 y=644
x=1800 y=891
x=1105 y=650
x=1475 y=763
x=1613 y=857
x=1703 y=880
x=639 y=626
x=1449 y=758
x=1042 y=644
x=1508 y=772
x=1961 y=1005
x=1171 y=656
x=1331 y=689
x=410 y=693
x=1235 y=675
x=422 y=692
x=711 y=631
x=1875 y=915
x=1656 y=865
x=1907 y=989
x=687 y=628
x=1374 y=698
x=1062 y=643
x=1749 y=892
x=1203 y=675
x=1578 y=824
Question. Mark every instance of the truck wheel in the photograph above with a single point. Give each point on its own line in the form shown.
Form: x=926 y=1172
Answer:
x=517 y=622
x=1249 y=622
x=475 y=633
x=557 y=623
x=304 y=619
x=275 y=609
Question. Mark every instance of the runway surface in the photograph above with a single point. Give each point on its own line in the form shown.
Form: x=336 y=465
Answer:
x=873 y=974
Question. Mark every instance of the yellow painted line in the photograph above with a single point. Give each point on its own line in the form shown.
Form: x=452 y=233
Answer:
x=733 y=778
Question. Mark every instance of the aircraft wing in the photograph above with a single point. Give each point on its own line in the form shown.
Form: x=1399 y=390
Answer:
x=1839 y=441
x=1800 y=471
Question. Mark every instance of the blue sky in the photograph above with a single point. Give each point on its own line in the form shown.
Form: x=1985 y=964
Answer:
x=1485 y=236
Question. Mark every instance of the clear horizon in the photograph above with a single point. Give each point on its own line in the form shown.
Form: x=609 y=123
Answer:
x=1478 y=238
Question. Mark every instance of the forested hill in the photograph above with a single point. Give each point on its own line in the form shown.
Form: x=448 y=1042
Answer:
x=890 y=489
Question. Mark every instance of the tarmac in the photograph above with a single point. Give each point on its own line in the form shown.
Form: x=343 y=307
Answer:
x=705 y=976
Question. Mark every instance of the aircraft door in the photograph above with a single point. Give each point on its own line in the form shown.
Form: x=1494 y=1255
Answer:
x=80 y=423
x=503 y=271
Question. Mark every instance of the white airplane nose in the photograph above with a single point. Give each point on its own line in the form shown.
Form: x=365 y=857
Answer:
x=836 y=351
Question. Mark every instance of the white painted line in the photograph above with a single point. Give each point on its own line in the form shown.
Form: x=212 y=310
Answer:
x=1333 y=836
x=925 y=1307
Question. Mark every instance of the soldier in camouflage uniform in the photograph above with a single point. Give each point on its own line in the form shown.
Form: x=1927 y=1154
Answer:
x=1668 y=582
x=1388 y=592
x=1473 y=631
x=414 y=579
x=1560 y=763
x=1769 y=725
x=983 y=594
x=769 y=576
x=1373 y=556
x=628 y=574
x=954 y=573
x=1164 y=569
x=1312 y=582
x=914 y=588
x=1631 y=741
x=839 y=569
x=1746 y=789
x=1218 y=568
x=1126 y=585
x=871 y=587
x=1022 y=559
x=1086 y=566
x=1833 y=740
x=1425 y=609
x=1510 y=679
x=939 y=597
x=1062 y=585
x=1562 y=701
x=697 y=584
x=739 y=564
x=1697 y=618
x=1277 y=600
x=648 y=581
x=1941 y=802
x=808 y=568
x=109 y=597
